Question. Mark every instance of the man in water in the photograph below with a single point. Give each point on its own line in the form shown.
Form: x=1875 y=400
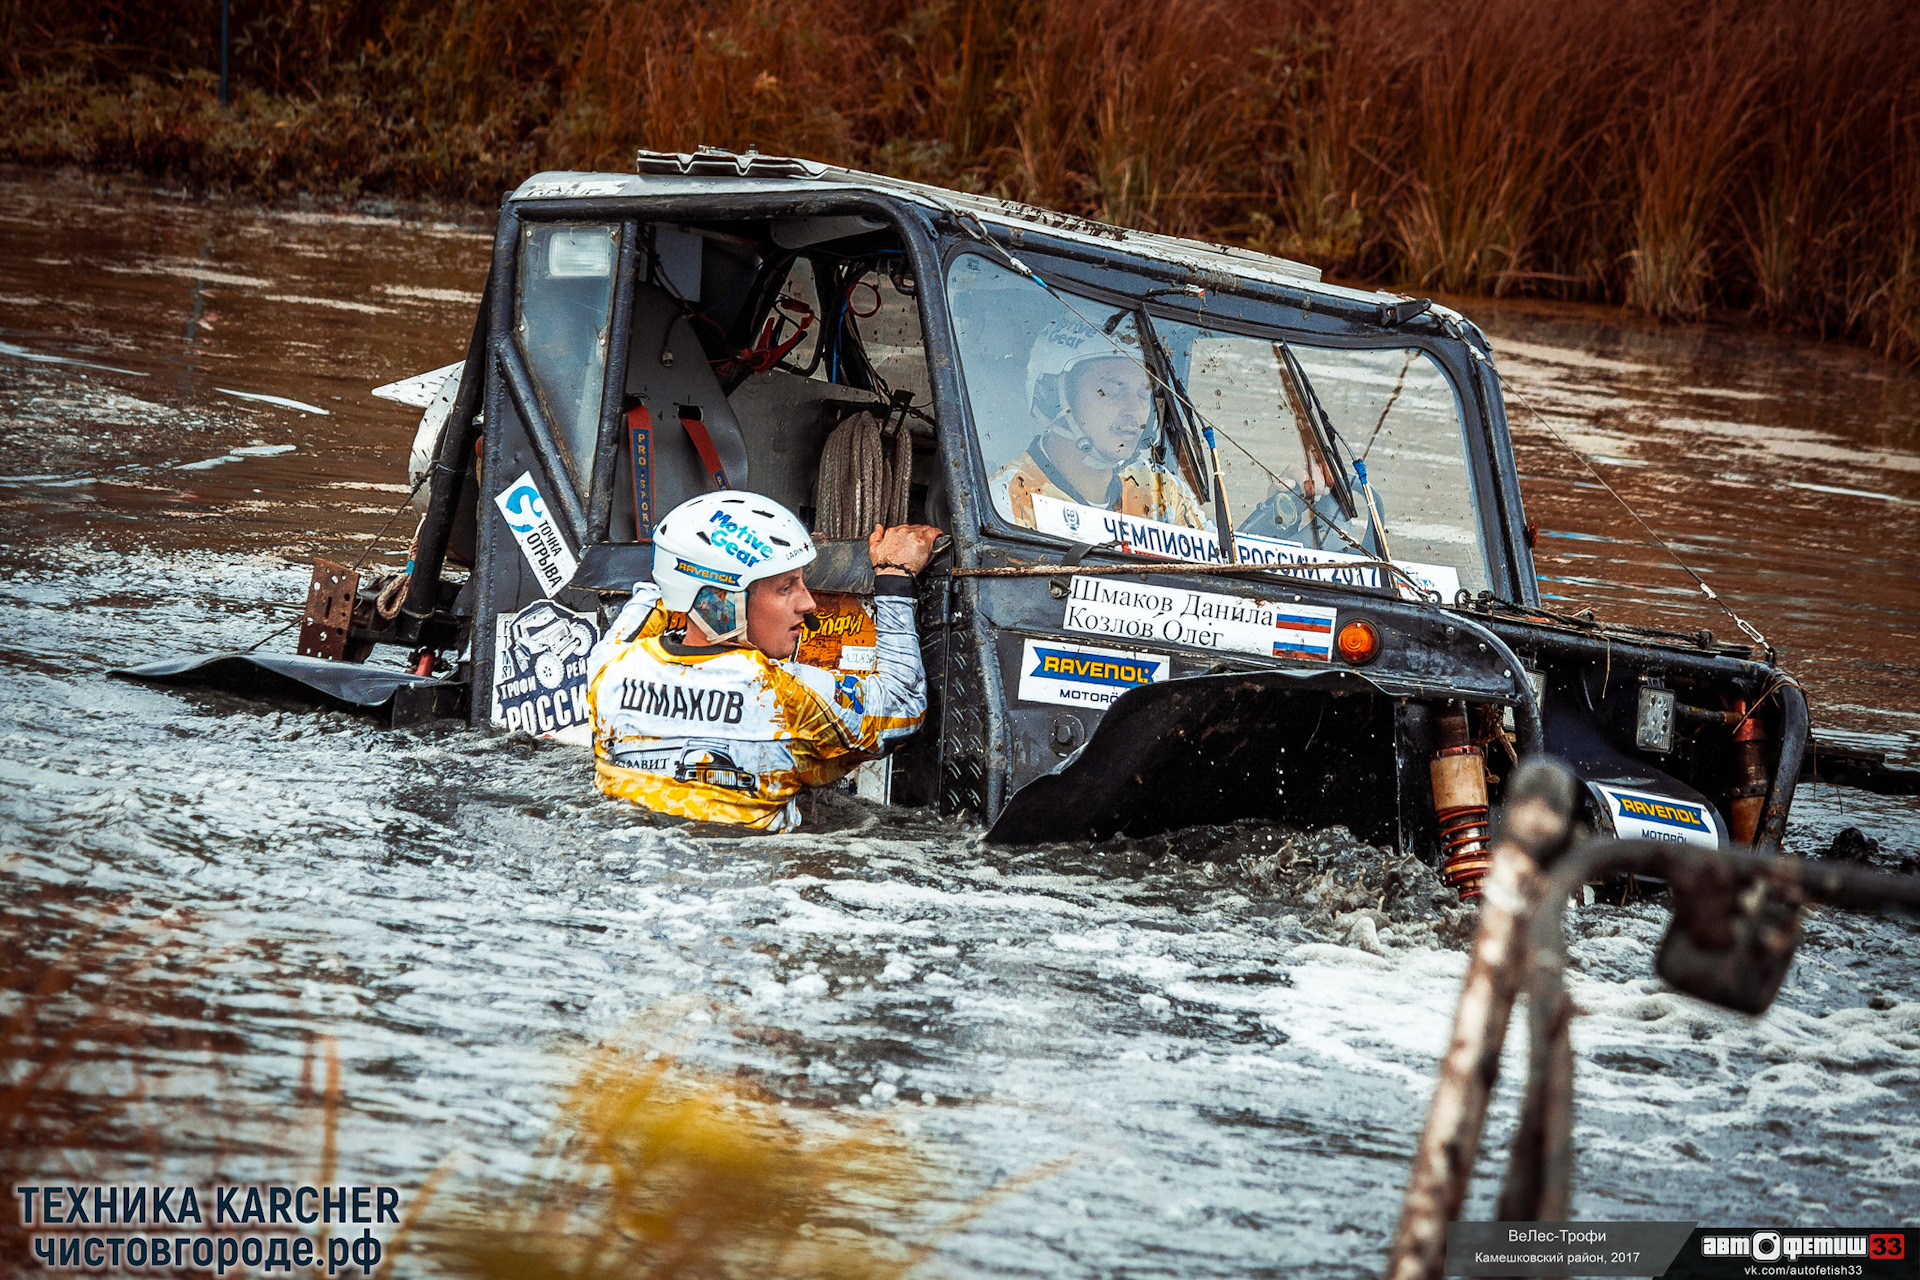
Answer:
x=1100 y=409
x=699 y=709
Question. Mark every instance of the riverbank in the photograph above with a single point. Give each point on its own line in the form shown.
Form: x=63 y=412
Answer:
x=1679 y=160
x=1234 y=1053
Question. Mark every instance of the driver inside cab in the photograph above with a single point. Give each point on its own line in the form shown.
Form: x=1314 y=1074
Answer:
x=699 y=709
x=1099 y=408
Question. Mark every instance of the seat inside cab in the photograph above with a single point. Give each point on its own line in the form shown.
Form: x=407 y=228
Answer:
x=784 y=357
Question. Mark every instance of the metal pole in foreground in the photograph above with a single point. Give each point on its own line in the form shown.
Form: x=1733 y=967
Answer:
x=225 y=10
x=1538 y=816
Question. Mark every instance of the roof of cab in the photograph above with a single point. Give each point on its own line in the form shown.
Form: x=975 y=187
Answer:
x=711 y=171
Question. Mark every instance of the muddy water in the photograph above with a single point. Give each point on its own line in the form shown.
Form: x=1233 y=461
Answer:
x=460 y=912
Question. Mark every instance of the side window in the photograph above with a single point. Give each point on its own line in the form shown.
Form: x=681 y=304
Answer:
x=565 y=298
x=887 y=318
x=1063 y=404
x=801 y=288
x=881 y=310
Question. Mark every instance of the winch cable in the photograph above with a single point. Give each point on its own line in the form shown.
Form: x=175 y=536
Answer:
x=1399 y=384
x=971 y=224
x=371 y=544
x=1507 y=389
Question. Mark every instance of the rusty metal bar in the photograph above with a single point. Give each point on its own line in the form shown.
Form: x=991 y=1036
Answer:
x=1786 y=774
x=1795 y=879
x=1166 y=566
x=1533 y=827
x=1539 y=1181
x=1522 y=931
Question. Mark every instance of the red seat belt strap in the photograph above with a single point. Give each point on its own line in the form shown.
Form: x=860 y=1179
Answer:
x=703 y=445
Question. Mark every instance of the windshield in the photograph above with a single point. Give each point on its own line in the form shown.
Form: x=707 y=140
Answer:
x=1064 y=407
x=1080 y=438
x=1290 y=431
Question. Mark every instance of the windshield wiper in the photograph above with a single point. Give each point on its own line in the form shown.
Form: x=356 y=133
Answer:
x=1319 y=432
x=1316 y=428
x=1190 y=419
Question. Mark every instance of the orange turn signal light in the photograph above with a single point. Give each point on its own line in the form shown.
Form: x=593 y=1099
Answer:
x=1359 y=642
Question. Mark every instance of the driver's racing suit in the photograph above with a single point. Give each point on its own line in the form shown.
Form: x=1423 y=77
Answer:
x=1138 y=489
x=731 y=735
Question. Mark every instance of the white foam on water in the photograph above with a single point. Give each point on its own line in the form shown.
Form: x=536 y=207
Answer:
x=41 y=357
x=283 y=402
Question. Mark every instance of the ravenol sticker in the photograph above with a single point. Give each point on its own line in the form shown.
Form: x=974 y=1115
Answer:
x=1639 y=816
x=540 y=672
x=718 y=577
x=1083 y=677
x=525 y=512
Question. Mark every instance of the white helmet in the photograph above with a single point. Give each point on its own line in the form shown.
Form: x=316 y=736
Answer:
x=720 y=544
x=1063 y=348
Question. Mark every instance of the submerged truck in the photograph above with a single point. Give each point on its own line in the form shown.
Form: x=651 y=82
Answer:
x=1306 y=593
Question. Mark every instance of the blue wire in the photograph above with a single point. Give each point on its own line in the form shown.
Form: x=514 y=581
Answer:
x=839 y=336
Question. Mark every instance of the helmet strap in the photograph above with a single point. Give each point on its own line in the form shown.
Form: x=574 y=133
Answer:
x=721 y=614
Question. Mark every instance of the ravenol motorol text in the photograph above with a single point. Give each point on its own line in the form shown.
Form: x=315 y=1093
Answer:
x=164 y=1228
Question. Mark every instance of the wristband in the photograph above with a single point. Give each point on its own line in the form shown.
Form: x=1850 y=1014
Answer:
x=887 y=564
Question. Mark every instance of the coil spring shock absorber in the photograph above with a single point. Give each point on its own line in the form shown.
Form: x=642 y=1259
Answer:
x=1459 y=775
x=1748 y=796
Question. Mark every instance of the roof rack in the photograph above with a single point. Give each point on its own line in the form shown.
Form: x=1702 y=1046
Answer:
x=717 y=162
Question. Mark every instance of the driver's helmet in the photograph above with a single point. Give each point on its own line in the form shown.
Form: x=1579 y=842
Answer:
x=1063 y=348
x=722 y=543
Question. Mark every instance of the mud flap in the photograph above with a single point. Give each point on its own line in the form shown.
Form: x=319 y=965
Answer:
x=398 y=698
x=1308 y=746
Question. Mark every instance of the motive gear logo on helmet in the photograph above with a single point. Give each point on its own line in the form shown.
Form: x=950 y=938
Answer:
x=720 y=544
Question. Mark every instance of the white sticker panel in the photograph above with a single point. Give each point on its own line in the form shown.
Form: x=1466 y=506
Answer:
x=565 y=188
x=1202 y=619
x=541 y=542
x=1081 y=677
x=540 y=672
x=1177 y=542
x=1638 y=815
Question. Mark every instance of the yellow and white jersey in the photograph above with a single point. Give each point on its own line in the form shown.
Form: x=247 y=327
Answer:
x=1140 y=490
x=731 y=735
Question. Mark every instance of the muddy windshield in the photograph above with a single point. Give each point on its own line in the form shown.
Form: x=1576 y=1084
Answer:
x=1065 y=410
x=1298 y=425
x=1076 y=423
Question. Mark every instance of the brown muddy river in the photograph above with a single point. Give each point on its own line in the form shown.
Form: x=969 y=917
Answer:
x=183 y=390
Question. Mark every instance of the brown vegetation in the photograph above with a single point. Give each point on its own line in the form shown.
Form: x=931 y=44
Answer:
x=80 y=1028
x=659 y=1170
x=1760 y=156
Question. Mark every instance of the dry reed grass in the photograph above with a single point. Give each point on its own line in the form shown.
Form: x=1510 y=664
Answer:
x=82 y=1037
x=72 y=1023
x=1758 y=156
x=659 y=1170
